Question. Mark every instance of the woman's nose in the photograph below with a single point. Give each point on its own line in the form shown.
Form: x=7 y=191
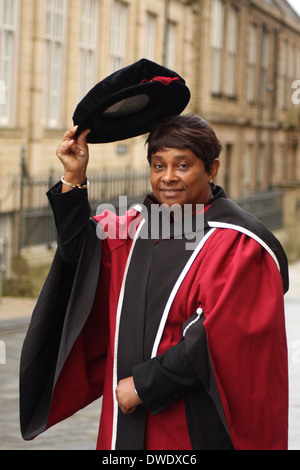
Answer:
x=169 y=175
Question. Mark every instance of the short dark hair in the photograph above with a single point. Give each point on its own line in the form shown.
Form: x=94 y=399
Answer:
x=186 y=131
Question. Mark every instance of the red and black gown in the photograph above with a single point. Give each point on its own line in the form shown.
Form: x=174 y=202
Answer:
x=201 y=330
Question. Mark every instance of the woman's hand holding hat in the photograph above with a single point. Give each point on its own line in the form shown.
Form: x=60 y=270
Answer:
x=74 y=154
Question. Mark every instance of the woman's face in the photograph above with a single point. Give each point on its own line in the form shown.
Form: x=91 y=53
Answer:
x=178 y=176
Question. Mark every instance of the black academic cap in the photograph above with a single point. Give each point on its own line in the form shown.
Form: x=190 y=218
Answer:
x=130 y=101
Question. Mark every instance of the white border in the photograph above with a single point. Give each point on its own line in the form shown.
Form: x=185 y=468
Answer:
x=214 y=226
x=249 y=234
x=175 y=290
x=116 y=341
x=199 y=313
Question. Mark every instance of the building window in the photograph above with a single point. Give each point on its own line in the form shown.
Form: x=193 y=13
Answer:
x=252 y=61
x=297 y=62
x=150 y=38
x=54 y=60
x=279 y=165
x=228 y=168
x=8 y=31
x=248 y=157
x=260 y=168
x=264 y=66
x=284 y=75
x=118 y=36
x=231 y=51
x=171 y=45
x=217 y=36
x=88 y=43
x=292 y=72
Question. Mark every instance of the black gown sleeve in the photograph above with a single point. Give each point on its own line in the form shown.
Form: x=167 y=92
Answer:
x=163 y=380
x=71 y=213
x=61 y=310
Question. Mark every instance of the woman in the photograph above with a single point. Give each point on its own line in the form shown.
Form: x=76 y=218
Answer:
x=187 y=348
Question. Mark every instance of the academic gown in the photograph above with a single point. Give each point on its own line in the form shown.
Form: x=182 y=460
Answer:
x=201 y=330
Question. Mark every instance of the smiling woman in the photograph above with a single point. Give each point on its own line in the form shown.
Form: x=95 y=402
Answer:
x=164 y=333
x=178 y=176
x=186 y=132
x=183 y=155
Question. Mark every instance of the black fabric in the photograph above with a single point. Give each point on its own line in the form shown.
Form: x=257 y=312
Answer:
x=225 y=210
x=72 y=225
x=165 y=379
x=130 y=433
x=41 y=348
x=204 y=409
x=62 y=311
x=155 y=266
x=133 y=80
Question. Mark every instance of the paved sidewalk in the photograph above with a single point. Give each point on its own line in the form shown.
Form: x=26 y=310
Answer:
x=19 y=310
x=14 y=310
x=294 y=271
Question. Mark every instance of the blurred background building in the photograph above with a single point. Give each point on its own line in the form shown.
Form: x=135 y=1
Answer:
x=240 y=59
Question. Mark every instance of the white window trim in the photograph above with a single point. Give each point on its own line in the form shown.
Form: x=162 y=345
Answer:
x=217 y=45
x=252 y=61
x=150 y=35
x=118 y=35
x=88 y=49
x=55 y=122
x=232 y=21
x=9 y=119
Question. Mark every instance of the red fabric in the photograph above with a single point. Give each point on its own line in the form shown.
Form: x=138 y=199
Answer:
x=164 y=80
x=82 y=378
x=238 y=286
x=247 y=340
x=168 y=430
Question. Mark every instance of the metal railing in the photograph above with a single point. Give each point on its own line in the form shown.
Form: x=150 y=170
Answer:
x=36 y=223
x=266 y=206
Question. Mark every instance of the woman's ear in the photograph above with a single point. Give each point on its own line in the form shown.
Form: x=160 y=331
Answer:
x=214 y=168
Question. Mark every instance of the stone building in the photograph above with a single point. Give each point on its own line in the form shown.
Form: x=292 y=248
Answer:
x=241 y=60
x=248 y=59
x=250 y=54
x=58 y=49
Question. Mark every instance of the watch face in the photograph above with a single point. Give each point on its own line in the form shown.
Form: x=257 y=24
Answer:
x=127 y=106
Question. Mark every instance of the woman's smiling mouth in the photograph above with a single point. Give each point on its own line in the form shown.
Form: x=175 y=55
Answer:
x=171 y=192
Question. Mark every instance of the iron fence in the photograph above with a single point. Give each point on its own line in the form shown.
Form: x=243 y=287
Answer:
x=36 y=223
x=266 y=206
